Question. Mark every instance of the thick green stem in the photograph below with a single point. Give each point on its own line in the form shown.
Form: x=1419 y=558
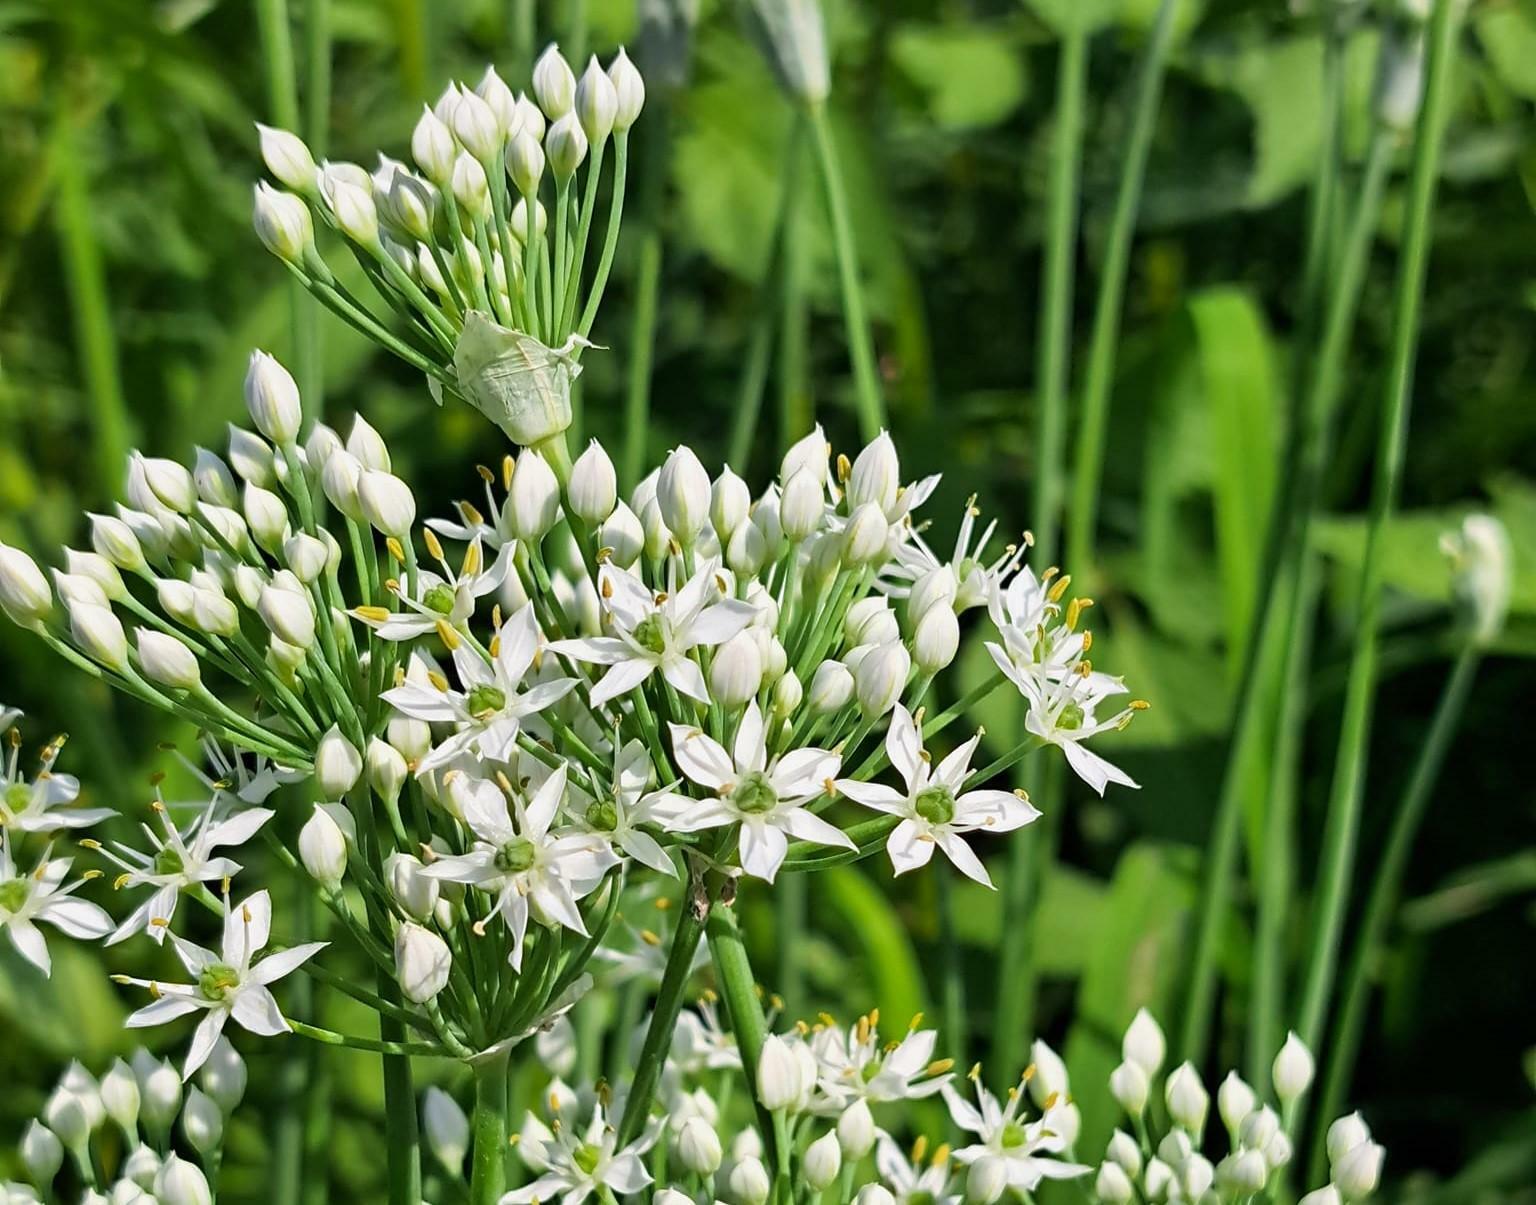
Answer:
x=738 y=989
x=669 y=1002
x=1342 y=828
x=1385 y=890
x=871 y=401
x=488 y=1171
x=642 y=331
x=1104 y=342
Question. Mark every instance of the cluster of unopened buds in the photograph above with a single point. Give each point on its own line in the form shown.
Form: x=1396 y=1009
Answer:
x=137 y=1134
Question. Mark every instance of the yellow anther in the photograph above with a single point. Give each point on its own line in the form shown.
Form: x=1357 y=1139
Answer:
x=649 y=938
x=919 y=1148
x=395 y=549
x=434 y=545
x=471 y=565
x=371 y=614
x=447 y=635
x=940 y=1066
x=470 y=515
x=485 y=474
x=507 y=465
x=1060 y=587
x=436 y=678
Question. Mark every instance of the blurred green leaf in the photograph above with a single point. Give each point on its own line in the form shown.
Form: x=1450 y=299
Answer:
x=72 y=1013
x=971 y=77
x=869 y=918
x=1507 y=33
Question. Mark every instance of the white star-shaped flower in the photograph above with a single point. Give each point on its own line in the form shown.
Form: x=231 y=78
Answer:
x=44 y=896
x=910 y=1183
x=616 y=817
x=1026 y=1148
x=576 y=1161
x=935 y=809
x=765 y=798
x=227 y=984
x=657 y=632
x=856 y=1065
x=42 y=805
x=447 y=598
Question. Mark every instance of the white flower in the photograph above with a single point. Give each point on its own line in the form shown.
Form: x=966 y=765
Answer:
x=657 y=632
x=935 y=809
x=41 y=806
x=765 y=798
x=489 y=710
x=701 y=1043
x=909 y=1184
x=577 y=1161
x=617 y=818
x=228 y=983
x=1025 y=1147
x=856 y=1065
x=44 y=896
x=449 y=599
x=1293 y=1069
x=177 y=862
x=522 y=864
x=979 y=582
x=1063 y=714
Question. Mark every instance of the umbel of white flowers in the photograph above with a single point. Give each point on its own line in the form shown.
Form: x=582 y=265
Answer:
x=483 y=249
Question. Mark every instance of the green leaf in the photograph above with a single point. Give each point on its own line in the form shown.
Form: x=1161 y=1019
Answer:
x=862 y=908
x=971 y=77
x=72 y=1013
x=1076 y=16
x=1067 y=920
x=1508 y=36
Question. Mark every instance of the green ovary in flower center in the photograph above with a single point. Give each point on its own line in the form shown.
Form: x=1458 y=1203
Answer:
x=17 y=798
x=603 y=816
x=516 y=855
x=919 y=1198
x=13 y=895
x=935 y=804
x=651 y=634
x=586 y=1157
x=486 y=700
x=1071 y=718
x=869 y=1070
x=1013 y=1135
x=168 y=861
x=754 y=795
x=439 y=598
x=217 y=981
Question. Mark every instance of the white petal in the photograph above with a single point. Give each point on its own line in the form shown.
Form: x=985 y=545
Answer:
x=966 y=862
x=701 y=758
x=719 y=623
x=598 y=650
x=762 y=849
x=161 y=1011
x=204 y=1038
x=810 y=827
x=77 y=918
x=751 y=749
x=905 y=746
x=908 y=847
x=255 y=1009
x=874 y=795
x=284 y=962
x=686 y=678
x=30 y=944
x=620 y=680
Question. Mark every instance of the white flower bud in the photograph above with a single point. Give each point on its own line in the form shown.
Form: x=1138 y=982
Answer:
x=446 y=1129
x=1158 y=1180
x=1112 y=1186
x=880 y=678
x=794 y=39
x=1482 y=564
x=282 y=223
x=1144 y=1043
x=870 y=621
x=736 y=672
x=874 y=1194
x=77 y=588
x=670 y=1196
x=140 y=1168
x=266 y=516
x=876 y=476
x=936 y=588
x=628 y=90
x=476 y=127
x=802 y=507
x=165 y=660
x=822 y=1161
x=986 y=1180
x=683 y=492
x=1128 y=1085
x=288 y=615
x=251 y=457
x=339 y=478
x=387 y=502
x=597 y=103
x=729 y=503
x=95 y=568
x=1327 y=1195
x=533 y=502
x=867 y=538
x=565 y=147
x=120 y=1096
x=64 y=1114
x=288 y=158
x=1187 y=1098
x=1234 y=1101
x=386 y=769
x=809 y=452
x=594 y=484
x=416 y=893
x=272 y=399
x=223 y=1076
x=623 y=536
x=338 y=764
x=111 y=538
x=936 y=640
x=1292 y=1072
x=778 y=1075
x=831 y=688
x=202 y=1122
x=356 y=215
x=1123 y=1150
x=213 y=613
x=24 y=592
x=1197 y=1175
x=323 y=849
x=787 y=691
x=746 y=552
x=433 y=147
x=525 y=162
x=306 y=556
x=422 y=962
x=554 y=84
x=1278 y=1150
x=470 y=187
x=1358 y=1173
x=1345 y=1134
x=698 y=1146
x=182 y=1183
x=169 y=482
x=1258 y=1127
x=503 y=102
x=367 y=445
x=1049 y=1082
x=856 y=1130
x=159 y=1096
x=748 y=1181
x=42 y=1152
x=98 y=633
x=1243 y=1173
x=214 y=482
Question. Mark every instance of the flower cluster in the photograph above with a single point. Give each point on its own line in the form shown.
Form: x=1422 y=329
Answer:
x=119 y=1133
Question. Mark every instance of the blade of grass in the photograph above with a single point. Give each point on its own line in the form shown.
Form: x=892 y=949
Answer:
x=642 y=331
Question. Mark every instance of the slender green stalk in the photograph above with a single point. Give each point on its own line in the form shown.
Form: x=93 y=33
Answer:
x=1342 y=829
x=1281 y=602
x=951 y=971
x=317 y=119
x=642 y=331
x=520 y=31
x=488 y=1171
x=797 y=404
x=1104 y=341
x=1385 y=890
x=669 y=1002
x=1032 y=849
x=738 y=989
x=789 y=898
x=871 y=401
x=90 y=309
